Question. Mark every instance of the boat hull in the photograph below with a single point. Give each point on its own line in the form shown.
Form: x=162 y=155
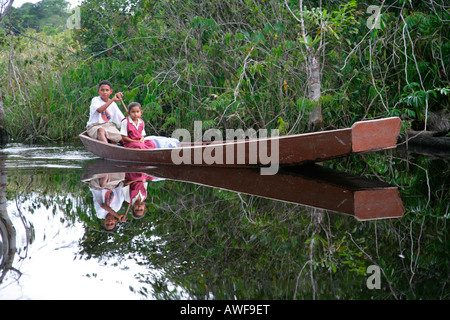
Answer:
x=364 y=136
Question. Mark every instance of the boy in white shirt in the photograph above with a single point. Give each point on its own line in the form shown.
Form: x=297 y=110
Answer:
x=105 y=115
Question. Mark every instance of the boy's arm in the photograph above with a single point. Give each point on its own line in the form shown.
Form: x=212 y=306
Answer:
x=120 y=217
x=105 y=106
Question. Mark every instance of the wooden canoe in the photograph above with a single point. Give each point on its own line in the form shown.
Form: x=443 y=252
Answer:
x=363 y=136
x=308 y=185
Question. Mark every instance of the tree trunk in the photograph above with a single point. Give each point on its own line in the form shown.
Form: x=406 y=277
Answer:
x=315 y=122
x=3 y=135
x=7 y=6
x=2 y=111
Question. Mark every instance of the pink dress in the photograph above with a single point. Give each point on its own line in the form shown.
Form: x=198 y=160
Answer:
x=136 y=134
x=138 y=185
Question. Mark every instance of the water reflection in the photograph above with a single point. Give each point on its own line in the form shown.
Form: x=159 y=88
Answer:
x=310 y=185
x=308 y=233
x=7 y=232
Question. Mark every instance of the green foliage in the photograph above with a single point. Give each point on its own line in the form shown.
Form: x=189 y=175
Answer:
x=48 y=16
x=416 y=98
x=233 y=64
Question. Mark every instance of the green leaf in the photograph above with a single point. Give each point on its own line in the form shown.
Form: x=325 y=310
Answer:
x=109 y=42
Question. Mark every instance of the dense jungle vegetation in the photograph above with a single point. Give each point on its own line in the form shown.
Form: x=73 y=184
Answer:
x=292 y=65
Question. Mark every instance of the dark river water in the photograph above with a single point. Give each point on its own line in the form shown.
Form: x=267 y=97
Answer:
x=372 y=226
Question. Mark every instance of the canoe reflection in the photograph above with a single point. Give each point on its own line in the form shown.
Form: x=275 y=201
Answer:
x=308 y=185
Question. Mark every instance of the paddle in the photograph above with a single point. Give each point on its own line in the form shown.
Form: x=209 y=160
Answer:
x=123 y=103
x=119 y=95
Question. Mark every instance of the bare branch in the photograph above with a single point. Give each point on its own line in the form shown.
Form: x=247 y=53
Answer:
x=5 y=8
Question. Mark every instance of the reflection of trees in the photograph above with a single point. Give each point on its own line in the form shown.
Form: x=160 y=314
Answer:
x=30 y=192
x=222 y=245
x=419 y=265
x=7 y=232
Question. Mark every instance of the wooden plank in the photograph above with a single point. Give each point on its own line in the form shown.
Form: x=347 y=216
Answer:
x=378 y=204
x=375 y=134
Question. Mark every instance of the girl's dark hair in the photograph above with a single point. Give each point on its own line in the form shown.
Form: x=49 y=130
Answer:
x=113 y=230
x=104 y=82
x=134 y=104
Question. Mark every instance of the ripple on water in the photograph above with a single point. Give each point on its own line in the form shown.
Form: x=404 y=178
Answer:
x=23 y=156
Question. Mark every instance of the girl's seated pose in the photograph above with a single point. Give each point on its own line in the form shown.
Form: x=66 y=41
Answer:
x=132 y=129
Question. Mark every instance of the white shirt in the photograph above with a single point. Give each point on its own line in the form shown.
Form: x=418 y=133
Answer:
x=111 y=114
x=99 y=199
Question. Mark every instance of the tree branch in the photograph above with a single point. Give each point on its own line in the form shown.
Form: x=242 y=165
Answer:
x=6 y=11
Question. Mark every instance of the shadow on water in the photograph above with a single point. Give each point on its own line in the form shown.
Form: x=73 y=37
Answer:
x=311 y=232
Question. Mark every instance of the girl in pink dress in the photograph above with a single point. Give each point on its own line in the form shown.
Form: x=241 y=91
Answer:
x=132 y=129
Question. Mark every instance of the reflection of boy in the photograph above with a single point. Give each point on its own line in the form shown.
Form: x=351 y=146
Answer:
x=107 y=202
x=104 y=113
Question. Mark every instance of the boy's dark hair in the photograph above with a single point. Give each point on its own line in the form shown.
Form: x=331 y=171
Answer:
x=104 y=82
x=134 y=104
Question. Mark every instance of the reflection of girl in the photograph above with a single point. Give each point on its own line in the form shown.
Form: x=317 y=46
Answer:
x=135 y=192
